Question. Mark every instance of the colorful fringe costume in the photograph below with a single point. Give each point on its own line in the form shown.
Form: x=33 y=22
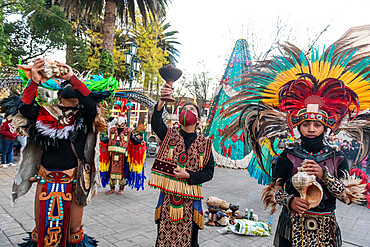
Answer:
x=136 y=165
x=117 y=148
x=127 y=157
x=179 y=205
x=56 y=153
x=104 y=163
x=332 y=88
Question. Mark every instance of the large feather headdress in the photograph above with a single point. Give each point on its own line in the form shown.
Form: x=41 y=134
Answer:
x=332 y=86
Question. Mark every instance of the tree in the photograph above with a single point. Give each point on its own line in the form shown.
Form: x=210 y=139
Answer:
x=125 y=10
x=6 y=7
x=199 y=87
x=179 y=94
x=262 y=47
x=167 y=42
x=37 y=32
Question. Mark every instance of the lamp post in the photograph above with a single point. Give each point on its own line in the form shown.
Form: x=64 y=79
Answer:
x=132 y=63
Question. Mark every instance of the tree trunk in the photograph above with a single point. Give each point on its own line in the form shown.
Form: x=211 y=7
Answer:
x=109 y=23
x=69 y=51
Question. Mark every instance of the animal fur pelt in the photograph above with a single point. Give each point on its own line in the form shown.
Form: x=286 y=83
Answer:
x=28 y=168
x=91 y=146
x=353 y=190
x=32 y=159
x=20 y=124
x=100 y=122
x=268 y=196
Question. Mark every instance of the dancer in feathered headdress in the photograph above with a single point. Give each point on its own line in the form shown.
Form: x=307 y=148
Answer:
x=326 y=91
x=121 y=145
x=60 y=153
x=123 y=156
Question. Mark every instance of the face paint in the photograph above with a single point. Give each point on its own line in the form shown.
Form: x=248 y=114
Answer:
x=187 y=117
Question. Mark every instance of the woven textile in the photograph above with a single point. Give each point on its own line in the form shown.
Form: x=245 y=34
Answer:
x=175 y=233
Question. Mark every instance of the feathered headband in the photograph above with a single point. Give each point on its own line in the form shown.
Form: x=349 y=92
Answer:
x=327 y=101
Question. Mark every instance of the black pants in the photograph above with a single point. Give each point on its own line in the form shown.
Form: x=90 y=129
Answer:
x=283 y=242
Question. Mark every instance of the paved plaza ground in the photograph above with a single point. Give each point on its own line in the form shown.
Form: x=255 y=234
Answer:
x=127 y=220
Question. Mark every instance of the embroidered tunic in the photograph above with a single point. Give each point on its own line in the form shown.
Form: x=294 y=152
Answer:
x=179 y=210
x=117 y=148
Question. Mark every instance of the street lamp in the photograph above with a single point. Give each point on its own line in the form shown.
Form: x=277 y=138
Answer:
x=132 y=63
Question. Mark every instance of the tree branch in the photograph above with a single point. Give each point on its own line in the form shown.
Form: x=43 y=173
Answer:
x=7 y=4
x=318 y=36
x=36 y=55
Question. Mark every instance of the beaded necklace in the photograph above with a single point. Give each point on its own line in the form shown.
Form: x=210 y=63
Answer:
x=313 y=154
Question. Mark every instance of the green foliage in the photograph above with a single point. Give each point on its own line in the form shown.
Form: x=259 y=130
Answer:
x=37 y=32
x=7 y=7
x=167 y=42
x=106 y=65
x=152 y=56
x=4 y=57
x=77 y=53
x=49 y=26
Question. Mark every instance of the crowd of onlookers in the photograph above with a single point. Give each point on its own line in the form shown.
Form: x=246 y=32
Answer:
x=351 y=149
x=10 y=143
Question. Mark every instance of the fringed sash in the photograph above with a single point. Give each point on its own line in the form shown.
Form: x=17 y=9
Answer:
x=172 y=185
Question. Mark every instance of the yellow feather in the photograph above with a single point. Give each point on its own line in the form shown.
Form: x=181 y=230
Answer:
x=337 y=71
x=347 y=77
x=305 y=69
x=359 y=81
x=315 y=68
x=324 y=71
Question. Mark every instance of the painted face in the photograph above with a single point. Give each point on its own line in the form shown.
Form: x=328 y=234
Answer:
x=311 y=129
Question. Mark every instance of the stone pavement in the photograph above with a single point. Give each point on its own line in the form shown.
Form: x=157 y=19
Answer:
x=128 y=220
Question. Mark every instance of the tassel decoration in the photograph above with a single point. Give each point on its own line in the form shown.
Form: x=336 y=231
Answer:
x=200 y=160
x=170 y=154
x=174 y=186
x=176 y=208
x=176 y=212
